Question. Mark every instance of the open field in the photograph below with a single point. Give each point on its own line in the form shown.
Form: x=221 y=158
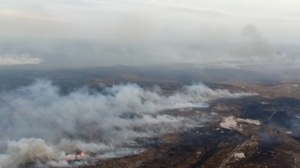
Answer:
x=238 y=118
x=272 y=143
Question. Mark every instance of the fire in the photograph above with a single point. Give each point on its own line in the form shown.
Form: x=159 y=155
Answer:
x=77 y=156
x=82 y=154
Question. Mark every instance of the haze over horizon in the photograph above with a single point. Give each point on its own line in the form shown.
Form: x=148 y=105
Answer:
x=149 y=83
x=85 y=33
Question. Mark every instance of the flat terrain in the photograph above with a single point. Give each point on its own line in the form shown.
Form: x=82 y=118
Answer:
x=274 y=142
x=258 y=131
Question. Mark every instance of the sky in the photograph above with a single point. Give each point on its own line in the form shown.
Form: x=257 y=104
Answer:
x=83 y=33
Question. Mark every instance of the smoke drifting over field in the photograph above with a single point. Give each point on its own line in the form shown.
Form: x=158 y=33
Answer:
x=43 y=127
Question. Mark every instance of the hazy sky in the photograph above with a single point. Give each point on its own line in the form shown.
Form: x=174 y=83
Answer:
x=109 y=32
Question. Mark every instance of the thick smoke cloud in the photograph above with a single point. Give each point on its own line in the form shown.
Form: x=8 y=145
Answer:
x=41 y=126
x=255 y=48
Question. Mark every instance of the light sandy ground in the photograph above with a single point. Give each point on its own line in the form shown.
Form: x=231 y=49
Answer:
x=233 y=123
x=229 y=123
x=255 y=122
x=239 y=155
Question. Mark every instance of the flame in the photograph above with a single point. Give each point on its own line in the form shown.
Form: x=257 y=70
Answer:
x=82 y=154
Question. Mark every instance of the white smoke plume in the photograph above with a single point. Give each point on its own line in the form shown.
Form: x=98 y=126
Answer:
x=40 y=126
x=255 y=48
x=19 y=59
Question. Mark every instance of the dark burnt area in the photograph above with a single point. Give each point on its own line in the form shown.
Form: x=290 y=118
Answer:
x=285 y=110
x=207 y=137
x=296 y=136
x=282 y=119
x=211 y=140
x=207 y=140
x=266 y=149
x=209 y=146
x=286 y=102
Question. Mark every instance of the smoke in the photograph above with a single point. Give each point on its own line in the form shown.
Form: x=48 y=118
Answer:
x=295 y=126
x=254 y=47
x=28 y=151
x=43 y=127
x=140 y=32
x=19 y=60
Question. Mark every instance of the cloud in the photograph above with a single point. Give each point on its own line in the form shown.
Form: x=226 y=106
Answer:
x=19 y=60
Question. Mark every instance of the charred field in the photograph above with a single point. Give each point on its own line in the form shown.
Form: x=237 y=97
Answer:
x=273 y=143
x=250 y=120
x=149 y=84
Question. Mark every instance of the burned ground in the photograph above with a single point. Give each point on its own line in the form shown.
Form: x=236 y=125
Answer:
x=267 y=145
x=273 y=143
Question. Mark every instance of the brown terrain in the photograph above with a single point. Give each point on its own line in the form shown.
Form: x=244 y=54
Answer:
x=272 y=142
x=261 y=131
